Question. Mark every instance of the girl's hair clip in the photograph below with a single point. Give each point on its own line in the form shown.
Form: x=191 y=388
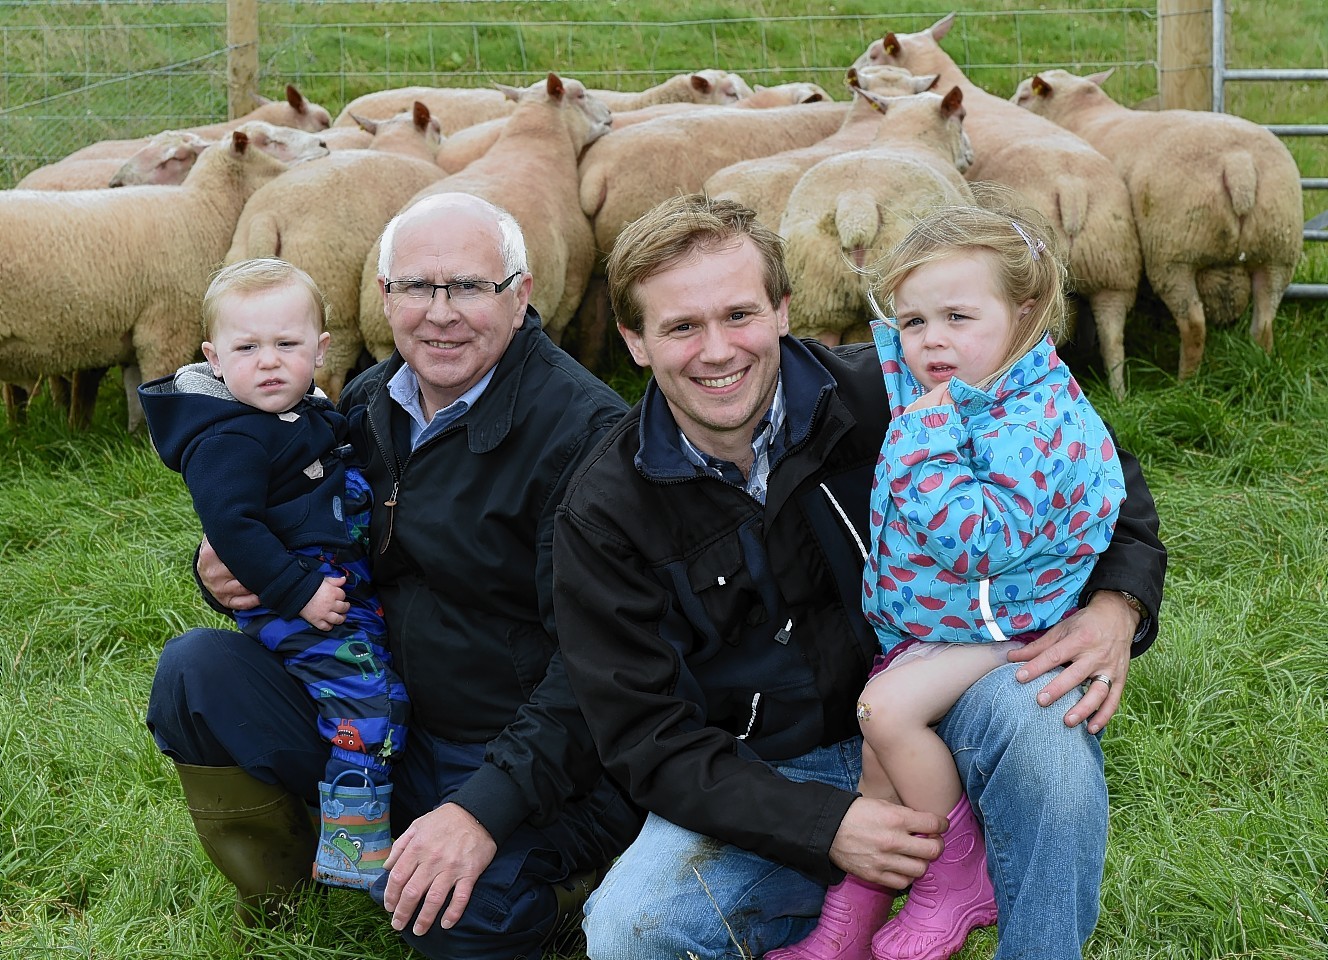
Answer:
x=1034 y=249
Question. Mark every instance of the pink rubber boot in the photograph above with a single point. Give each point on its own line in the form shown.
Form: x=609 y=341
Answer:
x=949 y=901
x=854 y=909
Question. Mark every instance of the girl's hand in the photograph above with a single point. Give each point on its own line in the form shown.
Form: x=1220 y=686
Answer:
x=938 y=396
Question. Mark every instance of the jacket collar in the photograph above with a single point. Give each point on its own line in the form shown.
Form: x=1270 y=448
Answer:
x=488 y=423
x=806 y=381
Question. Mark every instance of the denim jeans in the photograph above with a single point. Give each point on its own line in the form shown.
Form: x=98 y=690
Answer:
x=1037 y=785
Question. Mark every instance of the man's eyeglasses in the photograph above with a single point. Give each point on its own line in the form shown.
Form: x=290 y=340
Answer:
x=421 y=291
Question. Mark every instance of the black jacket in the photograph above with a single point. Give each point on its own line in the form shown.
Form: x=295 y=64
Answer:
x=681 y=599
x=463 y=565
x=251 y=478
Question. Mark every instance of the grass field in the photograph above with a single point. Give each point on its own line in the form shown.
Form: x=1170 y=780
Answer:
x=1216 y=762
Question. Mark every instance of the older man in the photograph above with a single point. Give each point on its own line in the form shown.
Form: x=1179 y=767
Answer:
x=708 y=570
x=472 y=430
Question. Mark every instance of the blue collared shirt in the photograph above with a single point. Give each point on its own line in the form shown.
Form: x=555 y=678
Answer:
x=404 y=388
x=767 y=442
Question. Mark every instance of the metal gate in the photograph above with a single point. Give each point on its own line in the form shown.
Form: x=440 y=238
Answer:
x=1317 y=228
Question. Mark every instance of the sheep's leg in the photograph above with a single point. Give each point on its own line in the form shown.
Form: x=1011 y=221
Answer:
x=57 y=388
x=1109 y=310
x=83 y=396
x=1267 y=283
x=16 y=403
x=1177 y=285
x=132 y=377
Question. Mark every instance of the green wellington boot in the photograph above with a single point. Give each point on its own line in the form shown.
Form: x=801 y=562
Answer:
x=259 y=836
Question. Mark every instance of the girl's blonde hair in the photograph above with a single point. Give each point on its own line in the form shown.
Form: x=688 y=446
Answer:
x=249 y=276
x=1026 y=266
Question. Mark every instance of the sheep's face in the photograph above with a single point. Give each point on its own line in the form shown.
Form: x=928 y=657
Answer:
x=285 y=143
x=710 y=336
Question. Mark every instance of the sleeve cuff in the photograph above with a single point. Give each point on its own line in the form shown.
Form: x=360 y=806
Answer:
x=495 y=800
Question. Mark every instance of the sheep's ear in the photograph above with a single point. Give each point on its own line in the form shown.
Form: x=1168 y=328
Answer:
x=926 y=82
x=419 y=115
x=700 y=84
x=890 y=45
x=952 y=102
x=511 y=93
x=365 y=124
x=1040 y=86
x=942 y=26
x=239 y=142
x=851 y=78
x=878 y=102
x=554 y=85
x=815 y=97
x=295 y=98
x=1103 y=77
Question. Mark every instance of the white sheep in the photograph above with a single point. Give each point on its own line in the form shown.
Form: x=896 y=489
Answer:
x=531 y=172
x=700 y=86
x=165 y=159
x=455 y=108
x=141 y=259
x=763 y=184
x=1210 y=192
x=466 y=146
x=295 y=111
x=1076 y=188
x=324 y=217
x=628 y=172
x=848 y=211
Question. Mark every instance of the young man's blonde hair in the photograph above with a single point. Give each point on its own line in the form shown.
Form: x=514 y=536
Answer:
x=1026 y=266
x=676 y=228
x=251 y=276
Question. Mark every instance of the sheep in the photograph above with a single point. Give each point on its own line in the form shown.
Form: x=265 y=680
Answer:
x=703 y=86
x=1208 y=191
x=471 y=143
x=141 y=257
x=1071 y=184
x=324 y=217
x=455 y=107
x=848 y=211
x=531 y=172
x=763 y=183
x=166 y=158
x=295 y=111
x=629 y=171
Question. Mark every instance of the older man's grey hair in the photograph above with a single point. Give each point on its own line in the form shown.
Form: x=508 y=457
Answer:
x=511 y=239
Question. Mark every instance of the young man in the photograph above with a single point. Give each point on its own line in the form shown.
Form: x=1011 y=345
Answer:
x=708 y=571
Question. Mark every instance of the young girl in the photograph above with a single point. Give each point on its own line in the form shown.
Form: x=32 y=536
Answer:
x=997 y=487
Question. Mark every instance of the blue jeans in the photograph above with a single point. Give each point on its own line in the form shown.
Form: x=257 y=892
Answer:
x=1037 y=785
x=221 y=699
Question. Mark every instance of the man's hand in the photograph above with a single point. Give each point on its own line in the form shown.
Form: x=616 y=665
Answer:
x=1095 y=641
x=218 y=580
x=328 y=606
x=882 y=842
x=443 y=852
x=938 y=396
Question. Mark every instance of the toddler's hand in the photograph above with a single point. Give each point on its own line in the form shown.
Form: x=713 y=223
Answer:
x=938 y=396
x=328 y=606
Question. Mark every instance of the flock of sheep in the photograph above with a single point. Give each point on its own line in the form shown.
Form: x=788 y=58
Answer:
x=1207 y=206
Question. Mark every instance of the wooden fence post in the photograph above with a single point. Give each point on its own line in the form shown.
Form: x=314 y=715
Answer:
x=1185 y=54
x=242 y=61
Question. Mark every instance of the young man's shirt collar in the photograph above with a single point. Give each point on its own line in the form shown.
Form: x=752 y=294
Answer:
x=768 y=442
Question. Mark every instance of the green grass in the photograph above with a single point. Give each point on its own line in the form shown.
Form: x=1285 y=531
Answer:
x=1219 y=779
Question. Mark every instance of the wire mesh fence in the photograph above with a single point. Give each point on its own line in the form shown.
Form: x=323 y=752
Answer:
x=73 y=73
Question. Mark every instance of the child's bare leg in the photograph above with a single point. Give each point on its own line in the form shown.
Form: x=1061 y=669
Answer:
x=896 y=712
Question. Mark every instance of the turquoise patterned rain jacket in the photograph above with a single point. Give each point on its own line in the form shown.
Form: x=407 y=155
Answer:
x=986 y=516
